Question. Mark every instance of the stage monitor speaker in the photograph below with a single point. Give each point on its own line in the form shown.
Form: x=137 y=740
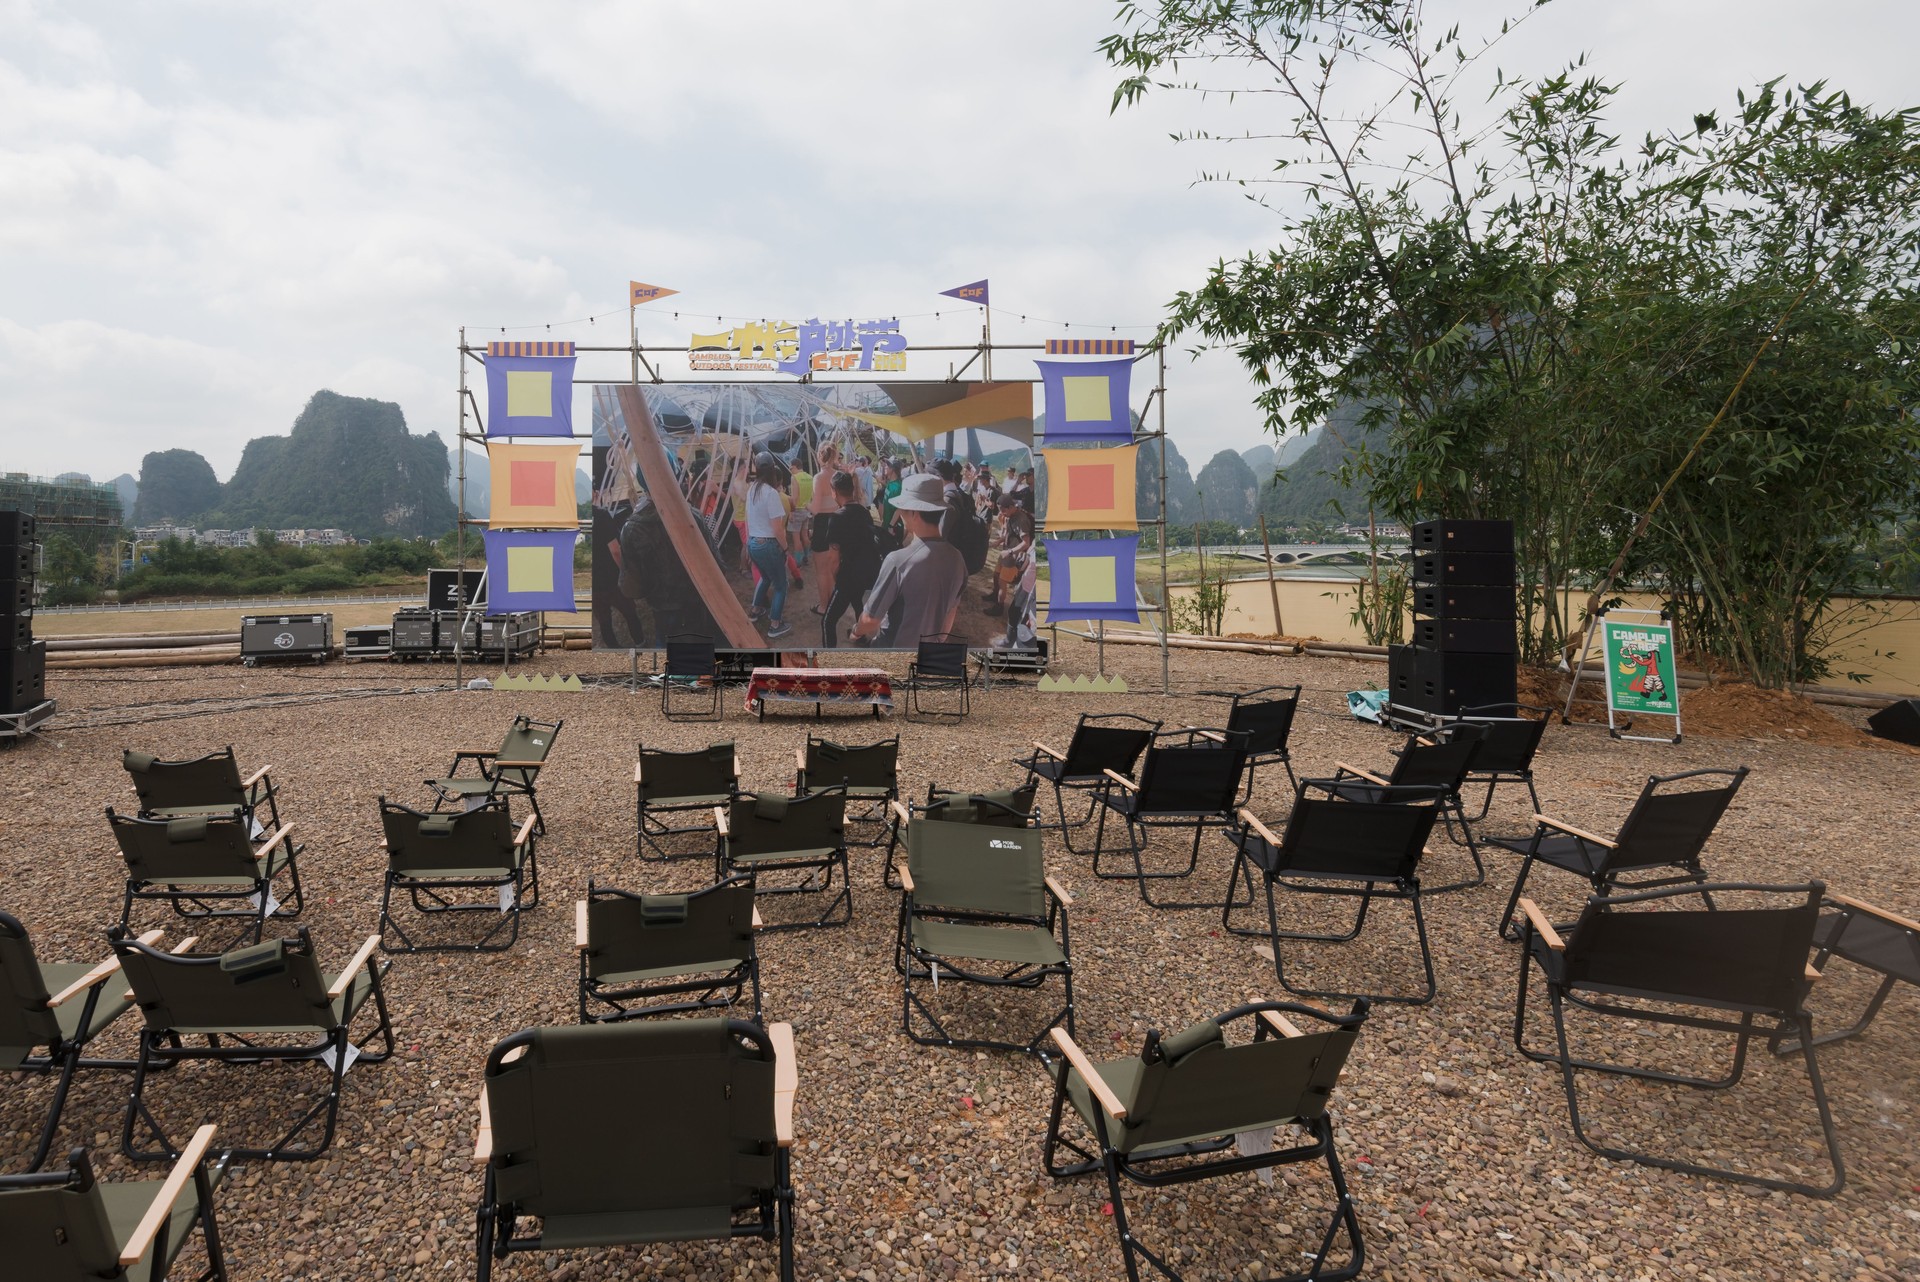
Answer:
x=23 y=676
x=1475 y=636
x=17 y=529
x=1452 y=602
x=1449 y=683
x=1899 y=722
x=1462 y=536
x=1470 y=569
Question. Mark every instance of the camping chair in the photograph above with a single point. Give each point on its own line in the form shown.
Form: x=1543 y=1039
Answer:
x=1189 y=780
x=766 y=833
x=59 y=1005
x=1266 y=723
x=434 y=856
x=693 y=666
x=1881 y=941
x=1720 y=961
x=1666 y=829
x=1507 y=748
x=1367 y=849
x=1443 y=758
x=940 y=663
x=201 y=786
x=1101 y=742
x=1009 y=808
x=198 y=861
x=671 y=783
x=1176 y=1112
x=979 y=909
x=66 y=1226
x=636 y=949
x=870 y=773
x=510 y=772
x=703 y=1156
x=246 y=1004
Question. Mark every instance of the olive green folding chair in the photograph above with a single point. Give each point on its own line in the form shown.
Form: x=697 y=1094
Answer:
x=49 y=1012
x=203 y=786
x=66 y=1226
x=765 y=833
x=1192 y=1106
x=262 y=1005
x=671 y=785
x=978 y=909
x=650 y=1131
x=458 y=862
x=1002 y=808
x=512 y=771
x=870 y=772
x=666 y=954
x=196 y=863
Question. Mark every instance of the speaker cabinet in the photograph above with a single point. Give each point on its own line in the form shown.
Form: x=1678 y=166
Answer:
x=16 y=598
x=1899 y=722
x=1468 y=569
x=23 y=676
x=1449 y=682
x=1462 y=536
x=15 y=630
x=1466 y=602
x=16 y=528
x=16 y=563
x=1481 y=636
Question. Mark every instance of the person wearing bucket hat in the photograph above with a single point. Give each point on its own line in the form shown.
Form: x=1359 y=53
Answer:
x=917 y=591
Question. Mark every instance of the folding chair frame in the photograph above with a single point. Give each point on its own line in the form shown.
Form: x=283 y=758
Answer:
x=939 y=652
x=837 y=856
x=877 y=811
x=501 y=785
x=692 y=664
x=1535 y=719
x=1242 y=707
x=652 y=831
x=1132 y=807
x=199 y=903
x=900 y=815
x=700 y=993
x=1832 y=944
x=1452 y=808
x=1094 y=782
x=523 y=876
x=256 y=789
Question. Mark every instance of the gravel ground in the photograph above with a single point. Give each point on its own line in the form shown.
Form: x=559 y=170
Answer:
x=917 y=1162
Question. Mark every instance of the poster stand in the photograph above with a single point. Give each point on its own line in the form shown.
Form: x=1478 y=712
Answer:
x=1637 y=668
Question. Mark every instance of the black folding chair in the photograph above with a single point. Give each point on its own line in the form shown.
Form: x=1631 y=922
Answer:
x=940 y=663
x=1718 y=960
x=666 y=954
x=763 y=833
x=692 y=666
x=1333 y=845
x=1441 y=758
x=201 y=786
x=1009 y=808
x=1189 y=781
x=682 y=783
x=1101 y=742
x=870 y=773
x=1507 y=748
x=1667 y=828
x=195 y=863
x=1266 y=722
x=512 y=770
x=1875 y=939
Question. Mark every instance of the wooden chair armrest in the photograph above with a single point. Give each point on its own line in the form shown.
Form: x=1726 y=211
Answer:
x=526 y=831
x=483 y=1134
x=786 y=1080
x=279 y=835
x=580 y=924
x=344 y=980
x=757 y=923
x=1542 y=926
x=720 y=820
x=1122 y=780
x=1060 y=892
x=1368 y=775
x=1812 y=974
x=1213 y=735
x=1088 y=1073
x=256 y=777
x=162 y=1206
x=99 y=973
x=799 y=758
x=900 y=812
x=906 y=878
x=1055 y=753
x=738 y=769
x=1281 y=1024
x=1861 y=905
x=1252 y=821
x=1572 y=831
x=636 y=774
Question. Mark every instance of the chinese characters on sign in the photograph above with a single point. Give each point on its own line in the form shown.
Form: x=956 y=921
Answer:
x=802 y=347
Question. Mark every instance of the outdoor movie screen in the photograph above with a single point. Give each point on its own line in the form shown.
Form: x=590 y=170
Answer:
x=815 y=516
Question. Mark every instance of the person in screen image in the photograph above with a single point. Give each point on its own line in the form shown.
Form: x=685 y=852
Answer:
x=767 y=547
x=850 y=535
x=917 y=591
x=1016 y=549
x=824 y=503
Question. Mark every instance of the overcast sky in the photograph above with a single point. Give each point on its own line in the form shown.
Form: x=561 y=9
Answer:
x=209 y=210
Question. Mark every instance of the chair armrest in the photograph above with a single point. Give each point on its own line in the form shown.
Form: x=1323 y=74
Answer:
x=1542 y=926
x=1059 y=892
x=757 y=923
x=799 y=758
x=1571 y=831
x=344 y=980
x=1088 y=1073
x=786 y=1080
x=97 y=974
x=162 y=1206
x=1368 y=775
x=1212 y=735
x=580 y=924
x=483 y=1134
x=526 y=830
x=1860 y=905
x=1252 y=821
x=906 y=878
x=1122 y=780
x=255 y=777
x=279 y=835
x=900 y=812
x=636 y=774
x=738 y=769
x=1812 y=974
x=720 y=820
x=1055 y=753
x=1281 y=1024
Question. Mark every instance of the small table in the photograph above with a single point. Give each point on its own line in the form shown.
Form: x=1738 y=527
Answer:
x=869 y=686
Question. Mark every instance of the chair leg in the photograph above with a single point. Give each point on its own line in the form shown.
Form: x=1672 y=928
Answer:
x=1508 y=930
x=69 y=1062
x=1450 y=812
x=1193 y=861
x=483 y=1245
x=1781 y=1046
x=209 y=1228
x=783 y=1210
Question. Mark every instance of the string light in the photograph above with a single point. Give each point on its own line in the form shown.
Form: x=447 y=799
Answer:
x=1025 y=317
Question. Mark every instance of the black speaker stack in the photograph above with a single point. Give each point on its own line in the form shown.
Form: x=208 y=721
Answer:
x=1465 y=607
x=23 y=661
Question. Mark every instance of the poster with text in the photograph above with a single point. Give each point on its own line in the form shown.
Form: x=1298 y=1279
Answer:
x=1640 y=667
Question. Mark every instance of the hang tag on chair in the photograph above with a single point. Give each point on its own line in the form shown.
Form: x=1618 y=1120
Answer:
x=1253 y=1143
x=506 y=898
x=273 y=905
x=934 y=967
x=257 y=830
x=327 y=1057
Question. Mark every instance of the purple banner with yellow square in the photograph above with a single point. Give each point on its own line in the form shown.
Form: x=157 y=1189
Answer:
x=1092 y=579
x=529 y=395
x=529 y=570
x=1087 y=401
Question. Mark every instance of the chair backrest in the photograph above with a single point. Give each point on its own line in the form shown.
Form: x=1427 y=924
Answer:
x=689 y=654
x=1728 y=956
x=1192 y=777
x=767 y=823
x=272 y=985
x=1445 y=763
x=628 y=932
x=1265 y=722
x=939 y=657
x=624 y=1118
x=1007 y=808
x=971 y=867
x=1670 y=825
x=1507 y=744
x=1381 y=838
x=420 y=842
x=527 y=740
x=55 y=1226
x=861 y=765
x=702 y=772
x=212 y=780
x=180 y=850
x=1193 y=1084
x=25 y=1021
x=1107 y=741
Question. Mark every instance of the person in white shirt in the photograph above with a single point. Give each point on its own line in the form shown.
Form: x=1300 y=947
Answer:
x=767 y=547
